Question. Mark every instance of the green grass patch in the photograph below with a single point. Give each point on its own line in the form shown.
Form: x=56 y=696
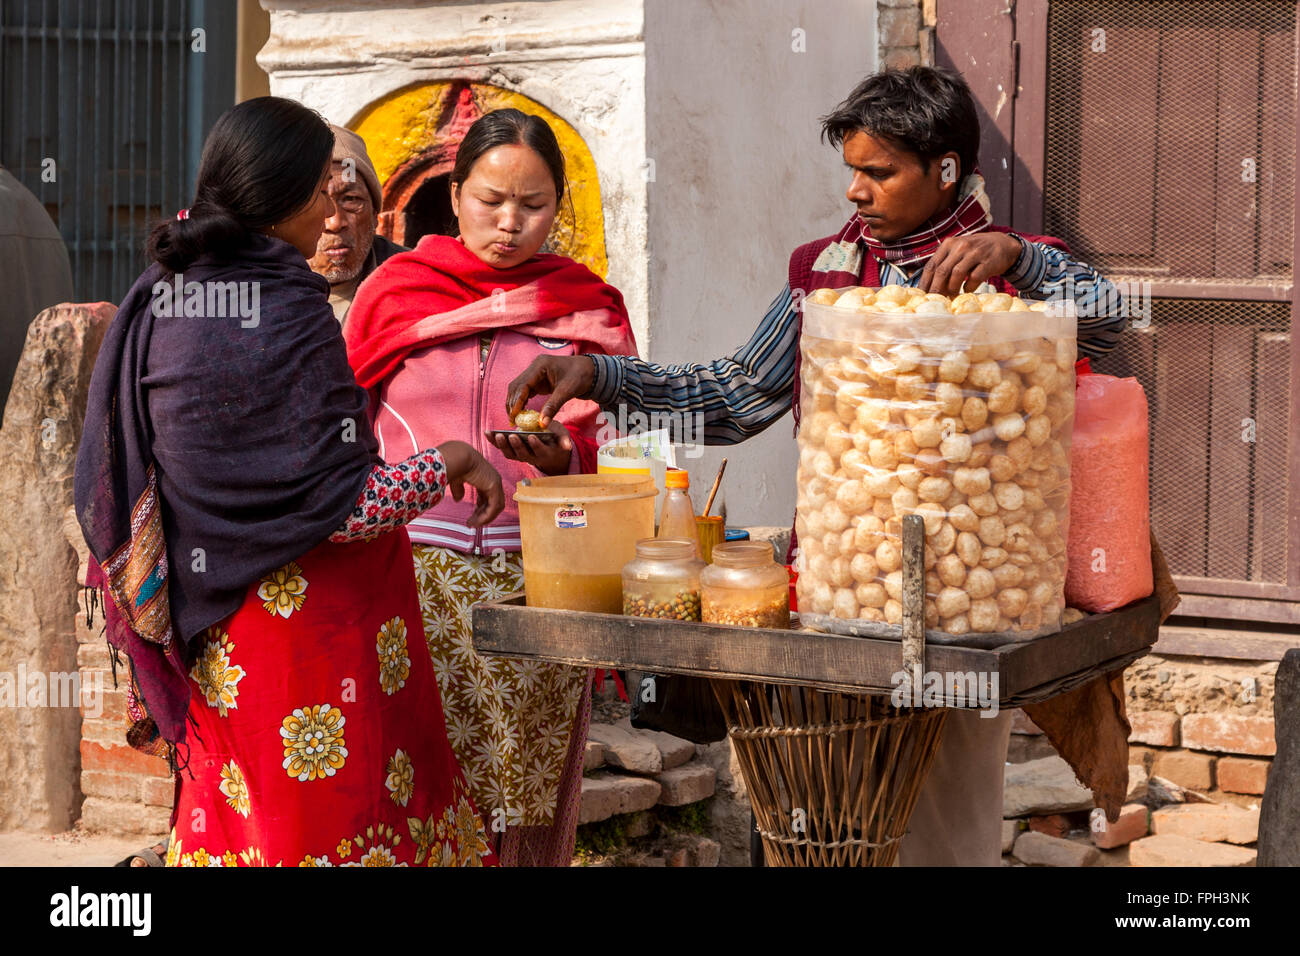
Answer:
x=599 y=839
x=692 y=818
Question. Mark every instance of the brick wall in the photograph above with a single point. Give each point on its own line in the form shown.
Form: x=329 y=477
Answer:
x=1206 y=724
x=127 y=793
x=905 y=33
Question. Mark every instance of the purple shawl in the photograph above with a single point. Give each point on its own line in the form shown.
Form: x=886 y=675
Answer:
x=217 y=447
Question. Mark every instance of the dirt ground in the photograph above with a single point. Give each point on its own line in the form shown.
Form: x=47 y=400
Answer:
x=73 y=848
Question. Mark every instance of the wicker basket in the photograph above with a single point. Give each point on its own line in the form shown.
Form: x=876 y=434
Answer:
x=832 y=777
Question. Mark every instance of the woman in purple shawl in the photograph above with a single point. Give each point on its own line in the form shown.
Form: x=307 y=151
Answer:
x=250 y=542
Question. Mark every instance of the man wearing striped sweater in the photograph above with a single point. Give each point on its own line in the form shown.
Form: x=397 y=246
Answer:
x=910 y=139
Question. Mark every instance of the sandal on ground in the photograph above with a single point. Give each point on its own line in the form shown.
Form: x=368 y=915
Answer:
x=149 y=856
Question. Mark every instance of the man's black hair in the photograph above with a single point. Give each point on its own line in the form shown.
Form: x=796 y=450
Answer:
x=924 y=110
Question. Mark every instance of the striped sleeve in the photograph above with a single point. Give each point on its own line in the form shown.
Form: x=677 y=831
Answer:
x=1043 y=272
x=729 y=399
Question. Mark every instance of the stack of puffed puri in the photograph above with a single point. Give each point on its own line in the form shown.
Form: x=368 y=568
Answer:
x=955 y=409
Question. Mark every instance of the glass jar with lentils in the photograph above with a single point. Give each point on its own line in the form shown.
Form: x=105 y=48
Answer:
x=663 y=580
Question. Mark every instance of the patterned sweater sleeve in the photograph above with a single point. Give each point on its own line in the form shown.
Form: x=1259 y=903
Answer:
x=393 y=495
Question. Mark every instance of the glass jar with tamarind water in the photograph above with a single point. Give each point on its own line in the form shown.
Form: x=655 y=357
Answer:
x=663 y=580
x=745 y=586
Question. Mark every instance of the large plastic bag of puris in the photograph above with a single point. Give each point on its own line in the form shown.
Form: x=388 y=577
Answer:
x=957 y=410
x=1110 y=539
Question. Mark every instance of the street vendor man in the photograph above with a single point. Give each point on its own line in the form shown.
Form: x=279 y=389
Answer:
x=910 y=139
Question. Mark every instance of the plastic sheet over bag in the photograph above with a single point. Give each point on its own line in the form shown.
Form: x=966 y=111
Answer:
x=961 y=418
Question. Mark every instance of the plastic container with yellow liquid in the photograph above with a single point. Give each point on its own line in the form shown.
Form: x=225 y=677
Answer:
x=577 y=532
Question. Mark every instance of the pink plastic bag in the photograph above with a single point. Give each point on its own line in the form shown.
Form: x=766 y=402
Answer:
x=1109 y=544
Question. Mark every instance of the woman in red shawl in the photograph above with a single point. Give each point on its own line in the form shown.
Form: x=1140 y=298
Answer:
x=249 y=540
x=436 y=335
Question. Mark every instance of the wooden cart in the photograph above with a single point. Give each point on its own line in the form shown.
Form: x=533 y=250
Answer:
x=833 y=768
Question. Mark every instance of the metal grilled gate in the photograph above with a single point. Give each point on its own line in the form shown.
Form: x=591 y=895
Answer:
x=115 y=95
x=1158 y=139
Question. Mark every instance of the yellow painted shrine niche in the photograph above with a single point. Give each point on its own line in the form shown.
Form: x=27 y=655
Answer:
x=412 y=136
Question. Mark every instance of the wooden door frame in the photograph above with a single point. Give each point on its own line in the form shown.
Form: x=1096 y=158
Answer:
x=988 y=40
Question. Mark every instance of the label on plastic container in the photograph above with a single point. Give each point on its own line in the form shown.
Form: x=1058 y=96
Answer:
x=571 y=516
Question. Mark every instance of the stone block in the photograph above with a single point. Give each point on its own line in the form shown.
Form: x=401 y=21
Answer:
x=1137 y=783
x=1230 y=733
x=605 y=795
x=1167 y=849
x=594 y=756
x=1131 y=825
x=39 y=599
x=1021 y=748
x=729 y=808
x=1054 y=824
x=707 y=852
x=1242 y=775
x=1189 y=770
x=1211 y=822
x=1279 y=813
x=1143 y=756
x=1039 y=849
x=687 y=784
x=637 y=825
x=1155 y=727
x=673 y=751
x=627 y=748
x=1161 y=791
x=1042 y=787
x=1010 y=830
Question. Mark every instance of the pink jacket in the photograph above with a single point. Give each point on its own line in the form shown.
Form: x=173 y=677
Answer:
x=445 y=393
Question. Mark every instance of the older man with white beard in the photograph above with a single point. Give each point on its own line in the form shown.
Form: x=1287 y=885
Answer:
x=349 y=250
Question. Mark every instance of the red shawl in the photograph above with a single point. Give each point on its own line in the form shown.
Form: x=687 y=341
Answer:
x=440 y=291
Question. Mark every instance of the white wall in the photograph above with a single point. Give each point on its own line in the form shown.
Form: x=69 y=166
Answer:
x=741 y=179
x=584 y=60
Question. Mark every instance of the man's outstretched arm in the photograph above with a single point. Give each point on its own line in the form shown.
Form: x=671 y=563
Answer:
x=737 y=396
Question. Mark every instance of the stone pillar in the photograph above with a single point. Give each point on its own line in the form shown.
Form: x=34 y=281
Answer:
x=40 y=719
x=1279 y=816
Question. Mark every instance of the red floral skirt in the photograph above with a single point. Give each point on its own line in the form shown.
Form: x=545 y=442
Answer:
x=317 y=734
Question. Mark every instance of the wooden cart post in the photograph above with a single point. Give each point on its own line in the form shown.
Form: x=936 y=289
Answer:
x=913 y=598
